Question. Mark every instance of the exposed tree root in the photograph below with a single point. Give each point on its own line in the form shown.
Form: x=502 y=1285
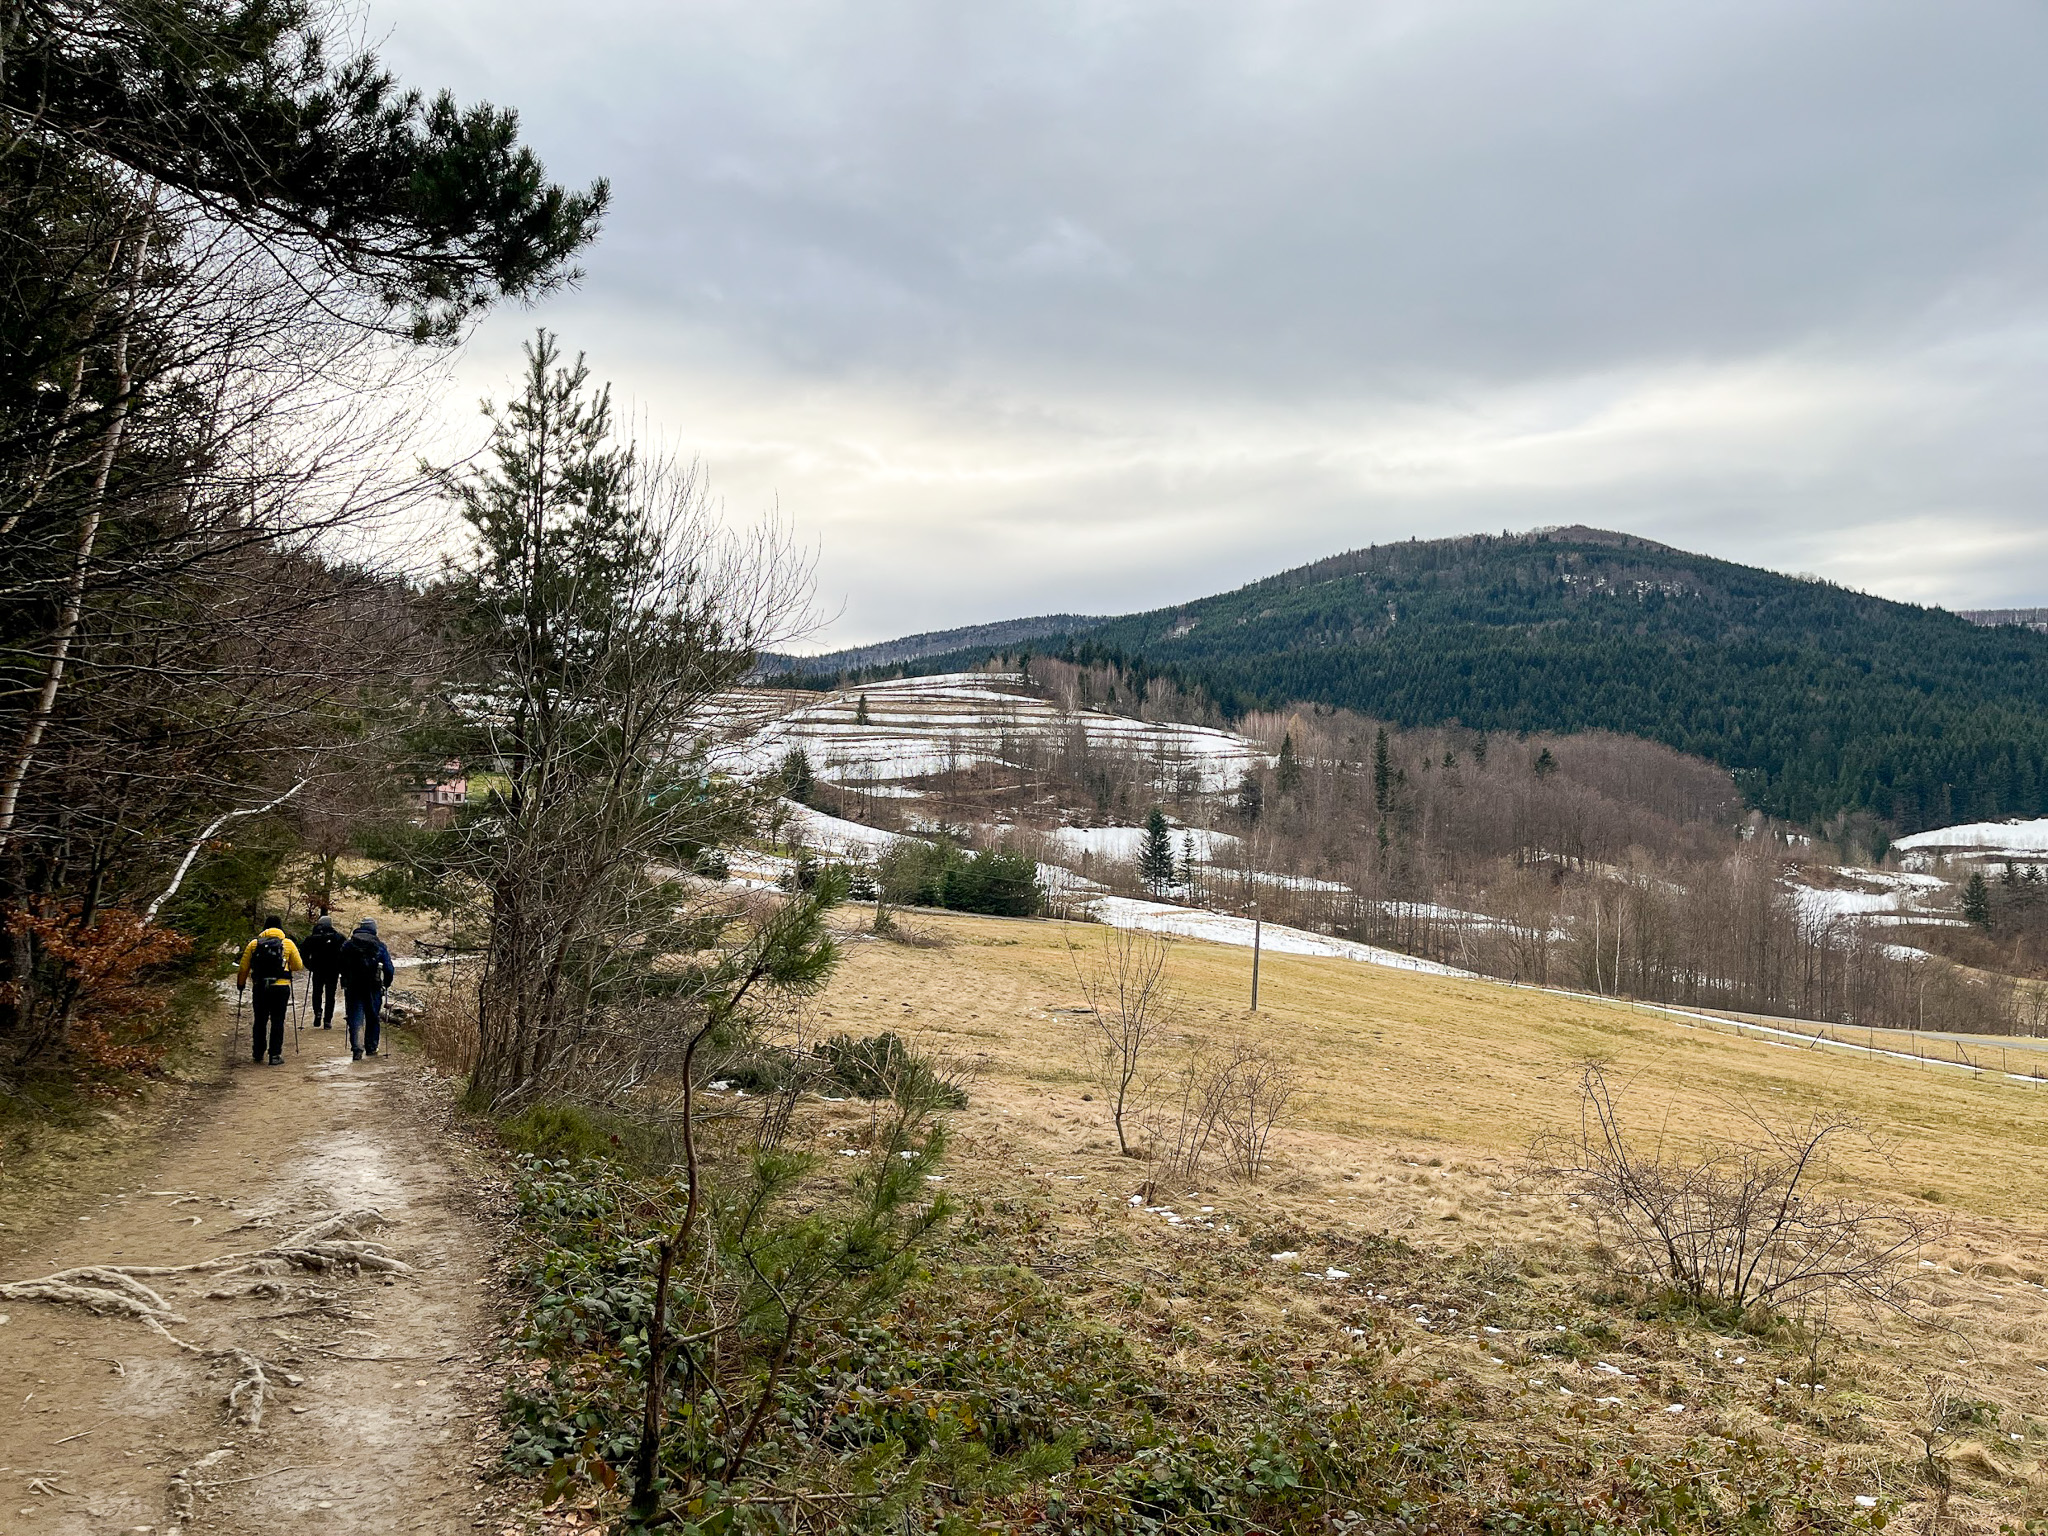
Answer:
x=103 y=1290
x=246 y=1397
x=332 y=1243
x=185 y=1485
x=275 y=1290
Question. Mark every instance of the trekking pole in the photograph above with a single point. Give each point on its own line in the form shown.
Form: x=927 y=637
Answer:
x=298 y=1016
x=236 y=1026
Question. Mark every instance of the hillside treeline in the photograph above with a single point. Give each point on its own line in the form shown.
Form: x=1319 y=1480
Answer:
x=1593 y=861
x=1819 y=700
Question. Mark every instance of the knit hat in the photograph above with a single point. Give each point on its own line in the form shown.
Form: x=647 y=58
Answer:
x=367 y=925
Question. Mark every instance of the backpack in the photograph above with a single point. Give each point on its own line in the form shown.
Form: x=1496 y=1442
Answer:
x=361 y=965
x=322 y=950
x=267 y=963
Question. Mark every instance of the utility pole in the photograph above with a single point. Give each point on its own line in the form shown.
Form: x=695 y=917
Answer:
x=1255 y=956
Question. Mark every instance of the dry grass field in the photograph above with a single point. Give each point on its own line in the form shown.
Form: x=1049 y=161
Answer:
x=1404 y=1182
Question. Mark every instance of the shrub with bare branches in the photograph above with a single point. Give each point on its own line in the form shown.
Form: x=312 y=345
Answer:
x=1254 y=1087
x=1734 y=1224
x=1221 y=1102
x=1181 y=1121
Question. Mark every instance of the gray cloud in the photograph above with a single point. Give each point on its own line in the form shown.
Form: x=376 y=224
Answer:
x=1027 y=307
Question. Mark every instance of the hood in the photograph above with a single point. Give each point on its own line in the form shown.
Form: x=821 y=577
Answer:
x=368 y=926
x=322 y=921
x=271 y=933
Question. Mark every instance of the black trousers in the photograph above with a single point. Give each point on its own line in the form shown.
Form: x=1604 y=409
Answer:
x=324 y=984
x=267 y=1005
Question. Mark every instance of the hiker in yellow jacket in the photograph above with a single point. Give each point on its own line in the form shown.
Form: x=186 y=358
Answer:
x=269 y=960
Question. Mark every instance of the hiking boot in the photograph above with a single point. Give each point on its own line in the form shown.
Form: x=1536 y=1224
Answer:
x=356 y=1055
x=277 y=1061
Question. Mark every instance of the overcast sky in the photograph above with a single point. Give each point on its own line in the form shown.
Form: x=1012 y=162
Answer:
x=1016 y=308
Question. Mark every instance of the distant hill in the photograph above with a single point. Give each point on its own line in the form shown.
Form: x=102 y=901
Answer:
x=1818 y=698
x=889 y=653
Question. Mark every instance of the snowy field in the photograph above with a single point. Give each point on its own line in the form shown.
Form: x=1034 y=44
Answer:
x=928 y=725
x=1880 y=895
x=1127 y=842
x=830 y=834
x=1994 y=839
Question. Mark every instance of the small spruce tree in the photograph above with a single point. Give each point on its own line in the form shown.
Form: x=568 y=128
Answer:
x=1977 y=901
x=798 y=782
x=1546 y=765
x=1155 y=859
x=1287 y=774
x=1382 y=774
x=1251 y=798
x=860 y=711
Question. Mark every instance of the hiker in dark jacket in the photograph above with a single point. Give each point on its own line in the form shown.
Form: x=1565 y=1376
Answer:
x=268 y=961
x=365 y=973
x=322 y=952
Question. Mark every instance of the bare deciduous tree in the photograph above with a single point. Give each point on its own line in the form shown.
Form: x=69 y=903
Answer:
x=1131 y=1011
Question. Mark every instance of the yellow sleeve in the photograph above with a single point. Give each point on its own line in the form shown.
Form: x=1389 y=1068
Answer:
x=291 y=957
x=242 y=975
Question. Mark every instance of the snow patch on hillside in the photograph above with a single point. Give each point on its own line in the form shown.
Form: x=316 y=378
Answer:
x=1129 y=842
x=1221 y=928
x=831 y=834
x=1994 y=838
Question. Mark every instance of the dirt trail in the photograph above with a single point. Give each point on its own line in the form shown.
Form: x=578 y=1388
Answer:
x=392 y=1404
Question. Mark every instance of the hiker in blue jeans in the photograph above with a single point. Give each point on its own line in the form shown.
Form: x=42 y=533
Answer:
x=365 y=973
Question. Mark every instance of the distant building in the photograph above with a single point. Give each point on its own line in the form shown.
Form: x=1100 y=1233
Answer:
x=451 y=789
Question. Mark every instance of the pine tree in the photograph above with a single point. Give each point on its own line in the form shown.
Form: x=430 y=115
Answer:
x=1155 y=860
x=798 y=782
x=1251 y=798
x=1546 y=765
x=1287 y=774
x=1977 y=901
x=558 y=541
x=1382 y=774
x=860 y=713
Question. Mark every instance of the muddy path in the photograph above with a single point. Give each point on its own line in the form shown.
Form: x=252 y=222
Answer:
x=378 y=1404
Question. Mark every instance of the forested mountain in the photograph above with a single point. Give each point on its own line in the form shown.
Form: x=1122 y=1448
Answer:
x=939 y=642
x=1818 y=698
